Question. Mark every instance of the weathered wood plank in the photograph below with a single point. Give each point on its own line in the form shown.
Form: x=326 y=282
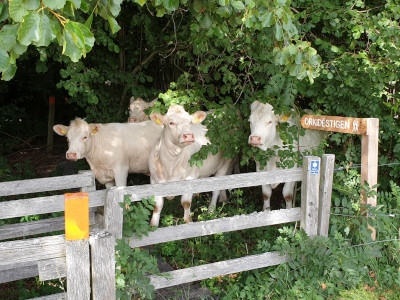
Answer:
x=113 y=213
x=89 y=188
x=25 y=251
x=102 y=249
x=184 y=231
x=325 y=193
x=52 y=268
x=310 y=195
x=219 y=269
x=42 y=205
x=36 y=227
x=59 y=296
x=78 y=269
x=19 y=273
x=369 y=163
x=28 y=186
x=214 y=183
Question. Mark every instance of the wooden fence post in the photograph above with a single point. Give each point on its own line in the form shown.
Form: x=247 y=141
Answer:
x=50 y=123
x=113 y=212
x=369 y=162
x=325 y=193
x=102 y=249
x=310 y=194
x=77 y=246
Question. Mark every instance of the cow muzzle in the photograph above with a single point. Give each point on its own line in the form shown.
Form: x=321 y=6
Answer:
x=132 y=120
x=71 y=156
x=254 y=140
x=188 y=138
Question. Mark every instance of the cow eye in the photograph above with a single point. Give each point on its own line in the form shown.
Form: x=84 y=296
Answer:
x=270 y=122
x=171 y=123
x=84 y=138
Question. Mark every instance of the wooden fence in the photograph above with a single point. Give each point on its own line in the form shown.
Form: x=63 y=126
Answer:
x=52 y=257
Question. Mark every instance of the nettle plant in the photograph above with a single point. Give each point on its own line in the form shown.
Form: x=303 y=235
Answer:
x=132 y=265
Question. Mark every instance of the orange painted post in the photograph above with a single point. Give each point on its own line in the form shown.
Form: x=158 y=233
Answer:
x=76 y=216
x=50 y=124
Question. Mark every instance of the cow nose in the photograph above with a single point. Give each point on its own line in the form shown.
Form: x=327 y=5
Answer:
x=254 y=140
x=188 y=137
x=71 y=156
x=132 y=120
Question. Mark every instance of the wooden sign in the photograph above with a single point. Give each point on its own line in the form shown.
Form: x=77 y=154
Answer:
x=76 y=216
x=335 y=124
x=369 y=129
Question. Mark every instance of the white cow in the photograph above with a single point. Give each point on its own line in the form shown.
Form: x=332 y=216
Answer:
x=112 y=150
x=182 y=136
x=136 y=109
x=264 y=135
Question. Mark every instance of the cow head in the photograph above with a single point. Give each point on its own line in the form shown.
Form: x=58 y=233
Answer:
x=136 y=110
x=263 y=125
x=177 y=124
x=79 y=134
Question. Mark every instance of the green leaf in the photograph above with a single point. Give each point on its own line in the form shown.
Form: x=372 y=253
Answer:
x=9 y=73
x=89 y=21
x=77 y=3
x=46 y=31
x=41 y=67
x=113 y=25
x=115 y=7
x=17 y=10
x=225 y=11
x=171 y=5
x=84 y=6
x=18 y=49
x=334 y=49
x=266 y=19
x=223 y=2
x=238 y=5
x=278 y=32
x=8 y=37
x=29 y=29
x=1 y=7
x=205 y=21
x=4 y=61
x=31 y=4
x=54 y=4
x=4 y=11
x=141 y=2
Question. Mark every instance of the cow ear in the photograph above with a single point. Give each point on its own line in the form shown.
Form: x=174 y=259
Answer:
x=284 y=118
x=157 y=118
x=60 y=129
x=153 y=102
x=254 y=105
x=132 y=99
x=94 y=129
x=198 y=117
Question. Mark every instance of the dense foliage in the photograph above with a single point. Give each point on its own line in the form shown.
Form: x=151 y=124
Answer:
x=335 y=57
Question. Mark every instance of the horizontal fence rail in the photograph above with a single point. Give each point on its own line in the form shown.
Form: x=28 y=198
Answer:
x=43 y=205
x=208 y=184
x=185 y=231
x=20 y=187
x=220 y=268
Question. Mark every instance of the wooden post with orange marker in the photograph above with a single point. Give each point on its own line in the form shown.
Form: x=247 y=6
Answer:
x=77 y=245
x=50 y=124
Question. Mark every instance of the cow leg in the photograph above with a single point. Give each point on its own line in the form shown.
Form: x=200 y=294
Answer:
x=213 y=202
x=109 y=184
x=121 y=176
x=287 y=192
x=186 y=201
x=155 y=219
x=222 y=196
x=267 y=192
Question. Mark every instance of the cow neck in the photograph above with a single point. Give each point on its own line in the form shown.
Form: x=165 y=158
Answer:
x=90 y=155
x=173 y=157
x=274 y=140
